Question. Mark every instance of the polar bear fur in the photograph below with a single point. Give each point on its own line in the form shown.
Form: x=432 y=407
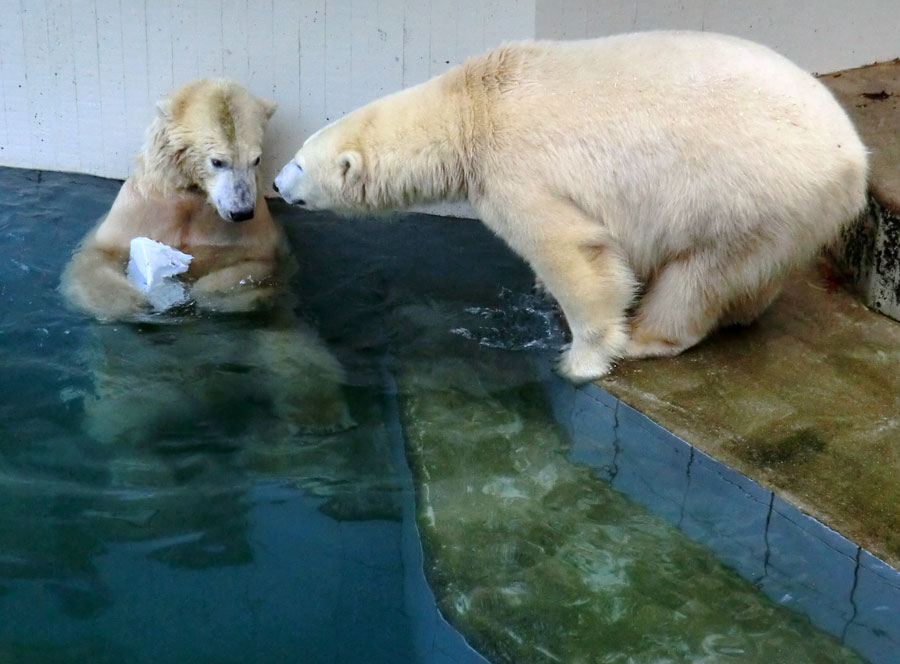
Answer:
x=194 y=188
x=675 y=176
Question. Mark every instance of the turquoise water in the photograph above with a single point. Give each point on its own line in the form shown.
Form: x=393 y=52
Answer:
x=168 y=493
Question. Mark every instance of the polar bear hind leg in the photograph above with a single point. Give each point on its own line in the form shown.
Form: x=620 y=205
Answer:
x=697 y=292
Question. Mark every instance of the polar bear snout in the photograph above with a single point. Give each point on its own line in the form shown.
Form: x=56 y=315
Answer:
x=287 y=183
x=233 y=192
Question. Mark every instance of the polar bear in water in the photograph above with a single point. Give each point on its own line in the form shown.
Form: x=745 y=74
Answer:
x=195 y=189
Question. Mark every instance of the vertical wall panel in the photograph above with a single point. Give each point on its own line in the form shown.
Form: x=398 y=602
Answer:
x=442 y=35
x=311 y=38
x=338 y=58
x=207 y=31
x=186 y=36
x=138 y=100
x=260 y=47
x=235 y=44
x=62 y=150
x=389 y=32
x=468 y=31
x=160 y=63
x=40 y=84
x=116 y=144
x=15 y=88
x=91 y=134
x=283 y=65
x=509 y=20
x=415 y=60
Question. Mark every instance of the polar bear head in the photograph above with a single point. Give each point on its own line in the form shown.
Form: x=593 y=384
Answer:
x=403 y=149
x=326 y=172
x=207 y=137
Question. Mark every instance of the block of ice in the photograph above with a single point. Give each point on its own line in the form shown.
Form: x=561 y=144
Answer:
x=152 y=268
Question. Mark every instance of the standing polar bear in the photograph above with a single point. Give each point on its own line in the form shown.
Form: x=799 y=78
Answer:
x=693 y=169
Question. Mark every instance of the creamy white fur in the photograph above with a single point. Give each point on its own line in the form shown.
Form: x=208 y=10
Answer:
x=195 y=177
x=178 y=196
x=695 y=168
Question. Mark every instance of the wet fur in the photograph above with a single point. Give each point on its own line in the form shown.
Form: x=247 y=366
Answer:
x=167 y=199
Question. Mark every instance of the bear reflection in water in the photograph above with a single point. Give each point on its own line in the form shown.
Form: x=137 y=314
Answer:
x=203 y=377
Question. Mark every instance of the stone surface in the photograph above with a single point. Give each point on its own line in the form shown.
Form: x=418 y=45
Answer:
x=871 y=96
x=869 y=257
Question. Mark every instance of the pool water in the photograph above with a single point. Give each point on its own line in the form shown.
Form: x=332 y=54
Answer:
x=160 y=503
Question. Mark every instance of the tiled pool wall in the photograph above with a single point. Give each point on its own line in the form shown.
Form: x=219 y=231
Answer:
x=794 y=559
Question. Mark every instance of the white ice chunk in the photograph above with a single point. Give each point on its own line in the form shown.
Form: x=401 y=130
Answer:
x=152 y=268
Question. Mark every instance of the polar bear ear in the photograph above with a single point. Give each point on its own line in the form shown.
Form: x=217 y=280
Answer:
x=268 y=107
x=164 y=109
x=351 y=164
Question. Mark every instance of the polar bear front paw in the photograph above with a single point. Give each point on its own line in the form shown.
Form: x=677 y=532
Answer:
x=582 y=363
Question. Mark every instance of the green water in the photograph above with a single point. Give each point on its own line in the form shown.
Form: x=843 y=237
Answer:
x=539 y=561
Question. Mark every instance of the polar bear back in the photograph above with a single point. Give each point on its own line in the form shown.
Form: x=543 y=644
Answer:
x=669 y=138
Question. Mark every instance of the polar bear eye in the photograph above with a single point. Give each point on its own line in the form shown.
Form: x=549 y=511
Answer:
x=216 y=163
x=255 y=162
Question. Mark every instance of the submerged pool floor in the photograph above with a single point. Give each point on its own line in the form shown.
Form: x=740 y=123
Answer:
x=155 y=507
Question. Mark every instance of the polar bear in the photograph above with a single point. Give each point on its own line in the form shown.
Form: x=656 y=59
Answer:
x=660 y=184
x=194 y=188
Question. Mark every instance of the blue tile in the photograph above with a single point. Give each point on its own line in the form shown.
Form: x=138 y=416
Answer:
x=726 y=515
x=741 y=482
x=589 y=424
x=875 y=647
x=599 y=395
x=651 y=465
x=887 y=574
x=824 y=614
x=795 y=560
x=811 y=565
x=876 y=627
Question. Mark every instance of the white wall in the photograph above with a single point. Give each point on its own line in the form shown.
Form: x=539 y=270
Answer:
x=819 y=35
x=78 y=78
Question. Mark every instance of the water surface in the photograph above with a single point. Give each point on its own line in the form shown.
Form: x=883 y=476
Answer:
x=169 y=493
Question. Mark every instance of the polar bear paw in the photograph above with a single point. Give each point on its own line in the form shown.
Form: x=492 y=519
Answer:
x=592 y=356
x=582 y=362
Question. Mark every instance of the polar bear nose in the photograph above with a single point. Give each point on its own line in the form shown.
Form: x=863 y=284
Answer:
x=241 y=215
